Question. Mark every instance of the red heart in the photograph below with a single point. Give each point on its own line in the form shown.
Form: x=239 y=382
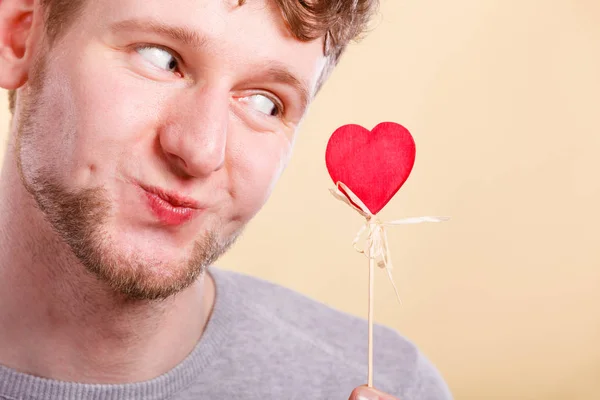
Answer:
x=373 y=164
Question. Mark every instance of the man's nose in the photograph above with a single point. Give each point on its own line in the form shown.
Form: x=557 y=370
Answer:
x=194 y=136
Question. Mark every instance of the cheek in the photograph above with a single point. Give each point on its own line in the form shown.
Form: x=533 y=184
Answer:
x=46 y=129
x=114 y=115
x=255 y=168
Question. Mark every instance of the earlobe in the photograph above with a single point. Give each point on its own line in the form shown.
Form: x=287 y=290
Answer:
x=16 y=24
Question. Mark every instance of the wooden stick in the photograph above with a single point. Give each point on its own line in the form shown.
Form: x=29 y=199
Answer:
x=371 y=279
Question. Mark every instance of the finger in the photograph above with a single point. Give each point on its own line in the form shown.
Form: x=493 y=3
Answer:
x=366 y=393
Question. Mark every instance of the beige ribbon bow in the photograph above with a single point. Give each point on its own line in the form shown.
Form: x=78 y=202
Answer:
x=376 y=242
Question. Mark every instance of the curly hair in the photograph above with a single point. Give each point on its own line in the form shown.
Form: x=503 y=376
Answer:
x=338 y=21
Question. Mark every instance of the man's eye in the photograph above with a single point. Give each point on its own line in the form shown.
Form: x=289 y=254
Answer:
x=263 y=104
x=159 y=57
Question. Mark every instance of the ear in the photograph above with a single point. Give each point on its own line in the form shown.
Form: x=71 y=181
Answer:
x=17 y=22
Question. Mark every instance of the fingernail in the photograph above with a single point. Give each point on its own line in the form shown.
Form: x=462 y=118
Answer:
x=366 y=393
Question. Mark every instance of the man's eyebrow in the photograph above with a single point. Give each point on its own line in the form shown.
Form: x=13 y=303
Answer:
x=278 y=72
x=274 y=70
x=186 y=36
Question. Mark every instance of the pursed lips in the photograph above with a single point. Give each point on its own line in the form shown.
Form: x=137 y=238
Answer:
x=170 y=208
x=173 y=198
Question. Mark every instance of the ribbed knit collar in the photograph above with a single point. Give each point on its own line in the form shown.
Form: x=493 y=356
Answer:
x=15 y=385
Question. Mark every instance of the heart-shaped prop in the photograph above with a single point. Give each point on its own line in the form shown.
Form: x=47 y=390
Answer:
x=372 y=164
x=368 y=168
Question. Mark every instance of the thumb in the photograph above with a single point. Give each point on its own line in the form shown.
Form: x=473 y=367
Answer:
x=367 y=393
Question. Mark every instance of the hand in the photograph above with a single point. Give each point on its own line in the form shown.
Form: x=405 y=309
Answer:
x=367 y=393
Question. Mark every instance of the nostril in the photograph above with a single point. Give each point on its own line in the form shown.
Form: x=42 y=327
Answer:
x=177 y=164
x=179 y=160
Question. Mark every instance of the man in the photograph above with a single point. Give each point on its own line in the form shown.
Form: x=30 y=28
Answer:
x=145 y=135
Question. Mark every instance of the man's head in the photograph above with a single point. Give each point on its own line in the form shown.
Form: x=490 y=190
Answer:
x=151 y=132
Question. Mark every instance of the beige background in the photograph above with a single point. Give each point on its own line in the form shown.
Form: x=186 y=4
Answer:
x=502 y=98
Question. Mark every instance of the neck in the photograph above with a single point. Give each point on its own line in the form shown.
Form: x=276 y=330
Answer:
x=60 y=322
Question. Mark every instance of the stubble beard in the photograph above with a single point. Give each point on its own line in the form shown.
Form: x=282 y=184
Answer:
x=81 y=218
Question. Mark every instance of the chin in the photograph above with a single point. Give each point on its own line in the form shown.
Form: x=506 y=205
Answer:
x=131 y=254
x=142 y=267
x=138 y=272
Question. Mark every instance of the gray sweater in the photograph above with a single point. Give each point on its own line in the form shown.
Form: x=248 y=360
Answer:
x=264 y=341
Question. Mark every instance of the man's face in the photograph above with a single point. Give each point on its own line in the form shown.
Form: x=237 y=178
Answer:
x=152 y=132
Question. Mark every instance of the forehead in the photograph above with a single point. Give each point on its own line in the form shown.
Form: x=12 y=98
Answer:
x=237 y=35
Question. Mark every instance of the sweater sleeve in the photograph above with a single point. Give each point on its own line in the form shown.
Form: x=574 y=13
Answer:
x=404 y=371
x=429 y=384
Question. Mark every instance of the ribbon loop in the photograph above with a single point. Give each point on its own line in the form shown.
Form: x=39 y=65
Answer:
x=376 y=243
